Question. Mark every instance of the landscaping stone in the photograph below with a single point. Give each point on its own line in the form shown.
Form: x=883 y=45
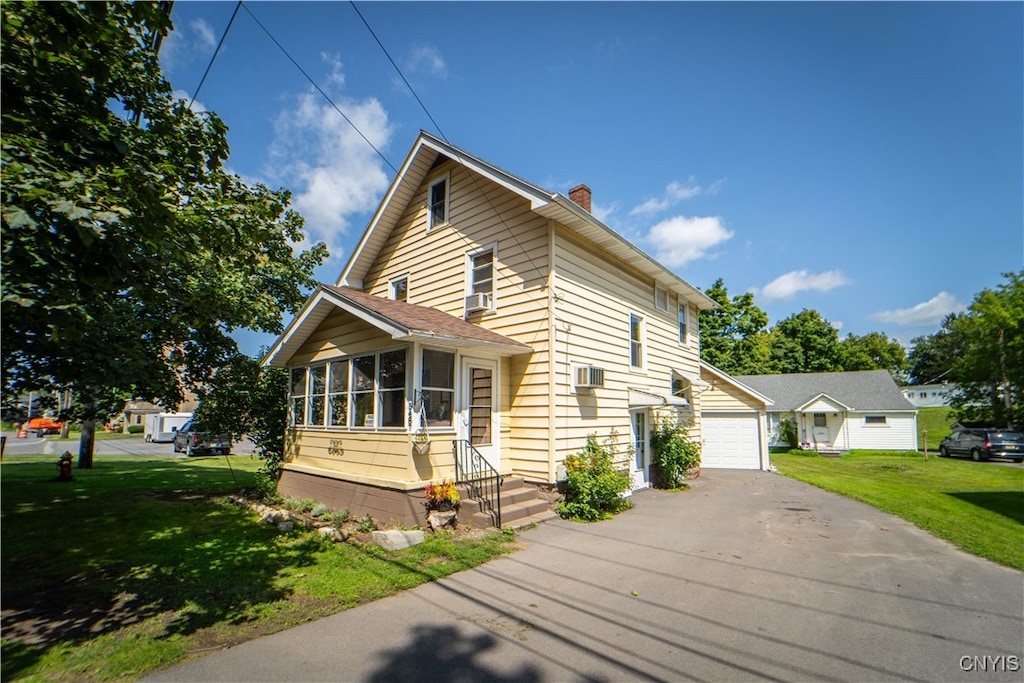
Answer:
x=438 y=520
x=286 y=526
x=397 y=539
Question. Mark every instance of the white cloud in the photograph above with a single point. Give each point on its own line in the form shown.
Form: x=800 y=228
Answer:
x=426 y=59
x=838 y=324
x=603 y=212
x=183 y=45
x=197 y=106
x=679 y=240
x=929 y=312
x=788 y=285
x=675 y=192
x=334 y=174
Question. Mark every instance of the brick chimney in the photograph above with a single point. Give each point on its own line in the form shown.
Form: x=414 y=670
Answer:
x=581 y=196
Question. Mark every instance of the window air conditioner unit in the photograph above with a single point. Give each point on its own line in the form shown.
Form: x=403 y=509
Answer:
x=589 y=376
x=479 y=301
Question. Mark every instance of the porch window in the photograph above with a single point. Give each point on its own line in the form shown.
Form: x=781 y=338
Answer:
x=636 y=340
x=298 y=411
x=438 y=203
x=337 y=394
x=874 y=419
x=437 y=380
x=819 y=420
x=392 y=389
x=364 y=370
x=317 y=385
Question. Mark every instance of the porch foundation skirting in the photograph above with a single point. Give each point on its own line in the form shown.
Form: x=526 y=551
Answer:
x=391 y=506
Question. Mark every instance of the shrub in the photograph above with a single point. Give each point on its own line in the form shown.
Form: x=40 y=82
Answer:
x=675 y=453
x=136 y=429
x=593 y=487
x=442 y=496
x=366 y=525
x=336 y=516
x=787 y=431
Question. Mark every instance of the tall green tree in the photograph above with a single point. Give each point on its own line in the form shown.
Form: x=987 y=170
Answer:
x=874 y=351
x=804 y=342
x=129 y=253
x=990 y=365
x=733 y=337
x=931 y=356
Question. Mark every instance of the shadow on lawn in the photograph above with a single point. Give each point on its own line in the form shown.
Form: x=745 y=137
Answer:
x=78 y=566
x=1007 y=503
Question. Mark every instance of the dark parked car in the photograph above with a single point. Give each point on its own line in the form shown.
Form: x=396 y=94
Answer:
x=191 y=442
x=982 y=444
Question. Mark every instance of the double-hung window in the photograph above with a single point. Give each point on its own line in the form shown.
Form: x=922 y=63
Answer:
x=437 y=380
x=482 y=273
x=391 y=389
x=316 y=386
x=636 y=340
x=682 y=324
x=337 y=394
x=438 y=198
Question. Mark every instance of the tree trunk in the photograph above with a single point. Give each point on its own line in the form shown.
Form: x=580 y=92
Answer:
x=88 y=440
x=1007 y=398
x=65 y=406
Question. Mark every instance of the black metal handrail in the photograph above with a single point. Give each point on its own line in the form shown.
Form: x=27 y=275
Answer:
x=483 y=481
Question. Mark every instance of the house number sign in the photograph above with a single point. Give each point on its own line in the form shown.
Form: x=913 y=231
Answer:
x=335 y=448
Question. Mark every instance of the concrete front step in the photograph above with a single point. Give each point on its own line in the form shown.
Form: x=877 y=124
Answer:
x=521 y=505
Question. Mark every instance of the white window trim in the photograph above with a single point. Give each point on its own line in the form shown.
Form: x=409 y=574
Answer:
x=391 y=286
x=658 y=289
x=418 y=385
x=468 y=289
x=643 y=341
x=876 y=425
x=684 y=334
x=446 y=178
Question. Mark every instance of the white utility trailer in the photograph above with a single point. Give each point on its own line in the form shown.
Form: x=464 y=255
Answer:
x=160 y=427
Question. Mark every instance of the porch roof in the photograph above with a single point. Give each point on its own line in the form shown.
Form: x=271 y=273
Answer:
x=403 y=321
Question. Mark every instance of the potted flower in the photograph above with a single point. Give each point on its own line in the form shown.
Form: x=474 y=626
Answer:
x=443 y=496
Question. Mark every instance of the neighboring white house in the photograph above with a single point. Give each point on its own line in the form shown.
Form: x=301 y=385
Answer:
x=839 y=411
x=930 y=395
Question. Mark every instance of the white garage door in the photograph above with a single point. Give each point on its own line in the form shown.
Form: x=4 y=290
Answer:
x=730 y=441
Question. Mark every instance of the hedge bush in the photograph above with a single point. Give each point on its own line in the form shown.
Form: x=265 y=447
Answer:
x=594 y=488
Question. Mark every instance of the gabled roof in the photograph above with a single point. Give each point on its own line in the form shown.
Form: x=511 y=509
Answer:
x=423 y=156
x=860 y=391
x=725 y=377
x=403 y=321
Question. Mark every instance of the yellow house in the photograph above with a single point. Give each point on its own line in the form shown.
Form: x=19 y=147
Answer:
x=485 y=320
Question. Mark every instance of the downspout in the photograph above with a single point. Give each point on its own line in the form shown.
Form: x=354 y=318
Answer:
x=552 y=349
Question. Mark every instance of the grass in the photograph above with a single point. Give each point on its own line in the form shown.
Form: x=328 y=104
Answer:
x=142 y=563
x=938 y=422
x=979 y=507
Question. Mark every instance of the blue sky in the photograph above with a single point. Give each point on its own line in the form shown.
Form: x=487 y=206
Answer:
x=862 y=159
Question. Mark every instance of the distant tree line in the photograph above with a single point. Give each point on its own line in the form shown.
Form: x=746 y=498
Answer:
x=981 y=351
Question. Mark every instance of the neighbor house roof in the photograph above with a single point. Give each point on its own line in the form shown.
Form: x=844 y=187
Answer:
x=403 y=321
x=863 y=390
x=428 y=151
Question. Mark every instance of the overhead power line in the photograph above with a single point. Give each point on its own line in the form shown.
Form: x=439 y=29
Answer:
x=214 y=56
x=319 y=89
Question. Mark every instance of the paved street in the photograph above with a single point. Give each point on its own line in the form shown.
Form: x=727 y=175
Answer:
x=134 y=445
x=749 y=576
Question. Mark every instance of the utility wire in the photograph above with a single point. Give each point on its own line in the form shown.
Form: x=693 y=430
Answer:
x=458 y=157
x=214 y=56
x=319 y=89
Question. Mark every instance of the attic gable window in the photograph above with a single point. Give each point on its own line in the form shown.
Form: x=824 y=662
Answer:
x=399 y=289
x=438 y=198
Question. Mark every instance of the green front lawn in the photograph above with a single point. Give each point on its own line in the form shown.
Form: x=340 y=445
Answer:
x=938 y=423
x=979 y=507
x=142 y=563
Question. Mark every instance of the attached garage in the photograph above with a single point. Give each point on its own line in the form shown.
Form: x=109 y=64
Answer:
x=734 y=423
x=731 y=441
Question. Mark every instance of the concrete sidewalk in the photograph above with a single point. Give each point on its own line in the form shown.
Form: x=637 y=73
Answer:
x=747 y=576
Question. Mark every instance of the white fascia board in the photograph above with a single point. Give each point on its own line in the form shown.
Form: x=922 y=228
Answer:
x=800 y=408
x=309 y=309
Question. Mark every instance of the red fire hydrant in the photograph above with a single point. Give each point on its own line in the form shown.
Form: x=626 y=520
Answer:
x=64 y=467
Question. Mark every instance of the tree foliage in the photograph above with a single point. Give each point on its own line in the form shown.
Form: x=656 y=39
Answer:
x=734 y=335
x=873 y=351
x=804 y=342
x=931 y=357
x=130 y=254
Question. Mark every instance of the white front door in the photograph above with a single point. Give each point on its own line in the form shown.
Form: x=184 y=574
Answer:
x=479 y=416
x=641 y=462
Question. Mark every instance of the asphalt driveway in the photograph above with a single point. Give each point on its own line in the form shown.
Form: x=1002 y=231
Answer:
x=748 y=576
